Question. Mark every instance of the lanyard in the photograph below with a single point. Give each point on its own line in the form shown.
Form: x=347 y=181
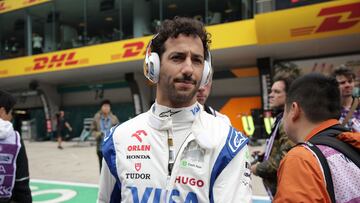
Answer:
x=171 y=153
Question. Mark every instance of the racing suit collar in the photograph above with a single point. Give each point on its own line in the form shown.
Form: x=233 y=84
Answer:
x=159 y=121
x=163 y=117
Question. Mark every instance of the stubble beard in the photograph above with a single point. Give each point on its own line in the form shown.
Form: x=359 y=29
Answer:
x=177 y=96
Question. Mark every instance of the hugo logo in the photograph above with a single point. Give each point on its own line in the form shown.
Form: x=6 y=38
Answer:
x=189 y=181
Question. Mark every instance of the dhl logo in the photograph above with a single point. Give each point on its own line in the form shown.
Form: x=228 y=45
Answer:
x=57 y=61
x=132 y=49
x=335 y=20
x=29 y=1
x=3 y=6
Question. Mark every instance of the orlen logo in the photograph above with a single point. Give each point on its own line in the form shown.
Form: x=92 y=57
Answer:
x=56 y=60
x=138 y=133
x=335 y=19
x=132 y=49
x=189 y=181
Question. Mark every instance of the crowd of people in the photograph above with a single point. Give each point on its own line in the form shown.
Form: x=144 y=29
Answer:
x=182 y=150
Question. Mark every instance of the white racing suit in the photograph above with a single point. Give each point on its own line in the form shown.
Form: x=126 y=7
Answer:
x=212 y=164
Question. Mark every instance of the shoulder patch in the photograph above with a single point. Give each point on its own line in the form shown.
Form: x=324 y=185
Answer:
x=235 y=140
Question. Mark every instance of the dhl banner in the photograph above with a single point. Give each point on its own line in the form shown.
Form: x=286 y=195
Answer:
x=115 y=52
x=122 y=51
x=10 y=5
x=329 y=19
x=335 y=18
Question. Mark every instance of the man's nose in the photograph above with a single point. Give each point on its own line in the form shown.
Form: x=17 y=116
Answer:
x=187 y=68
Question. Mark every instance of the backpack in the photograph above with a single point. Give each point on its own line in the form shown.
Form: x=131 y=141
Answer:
x=325 y=143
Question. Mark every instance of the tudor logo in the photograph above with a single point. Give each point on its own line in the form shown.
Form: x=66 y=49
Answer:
x=336 y=18
x=144 y=176
x=137 y=166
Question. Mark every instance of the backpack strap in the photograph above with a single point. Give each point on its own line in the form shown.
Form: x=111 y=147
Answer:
x=328 y=138
x=349 y=151
x=350 y=113
x=325 y=167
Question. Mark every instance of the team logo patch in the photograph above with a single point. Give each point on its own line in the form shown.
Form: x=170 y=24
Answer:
x=138 y=135
x=193 y=156
x=137 y=166
x=236 y=140
x=195 y=110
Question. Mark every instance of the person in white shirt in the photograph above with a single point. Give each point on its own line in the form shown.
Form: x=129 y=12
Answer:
x=175 y=152
x=37 y=43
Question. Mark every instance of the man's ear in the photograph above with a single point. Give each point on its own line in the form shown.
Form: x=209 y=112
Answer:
x=295 y=111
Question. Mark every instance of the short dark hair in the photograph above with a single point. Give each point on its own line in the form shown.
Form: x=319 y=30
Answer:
x=343 y=70
x=106 y=101
x=317 y=95
x=7 y=101
x=180 y=25
x=287 y=78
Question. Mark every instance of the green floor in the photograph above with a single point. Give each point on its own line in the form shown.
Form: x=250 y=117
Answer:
x=56 y=192
x=63 y=192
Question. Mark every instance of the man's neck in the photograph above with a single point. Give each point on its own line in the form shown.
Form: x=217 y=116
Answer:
x=170 y=104
x=346 y=102
x=306 y=128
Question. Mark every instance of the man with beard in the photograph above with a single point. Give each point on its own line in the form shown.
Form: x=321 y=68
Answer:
x=202 y=95
x=176 y=152
x=350 y=111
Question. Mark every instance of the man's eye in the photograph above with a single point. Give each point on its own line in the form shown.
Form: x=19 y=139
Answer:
x=197 y=61
x=176 y=58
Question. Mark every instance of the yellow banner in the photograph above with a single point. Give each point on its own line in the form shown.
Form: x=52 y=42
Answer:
x=223 y=36
x=10 y=5
x=330 y=19
x=75 y=58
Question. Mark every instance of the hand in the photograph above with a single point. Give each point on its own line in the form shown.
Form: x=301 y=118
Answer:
x=257 y=153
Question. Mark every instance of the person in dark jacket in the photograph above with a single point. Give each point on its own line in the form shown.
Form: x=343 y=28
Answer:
x=103 y=121
x=14 y=169
x=278 y=144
